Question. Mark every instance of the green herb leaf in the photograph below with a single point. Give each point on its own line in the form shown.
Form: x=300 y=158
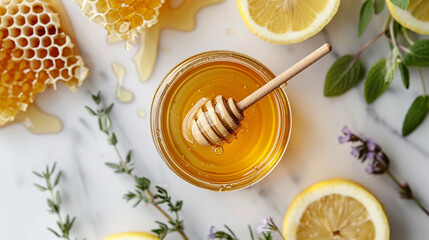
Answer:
x=57 y=179
x=96 y=98
x=109 y=109
x=402 y=4
x=41 y=188
x=92 y=112
x=405 y=74
x=128 y=158
x=58 y=198
x=419 y=54
x=344 y=74
x=392 y=63
x=398 y=28
x=365 y=16
x=415 y=115
x=251 y=232
x=38 y=174
x=113 y=140
x=379 y=6
x=375 y=83
x=54 y=232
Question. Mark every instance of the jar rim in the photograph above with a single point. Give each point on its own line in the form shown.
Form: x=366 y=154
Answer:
x=174 y=75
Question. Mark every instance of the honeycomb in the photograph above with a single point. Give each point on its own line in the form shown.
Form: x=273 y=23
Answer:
x=123 y=19
x=35 y=53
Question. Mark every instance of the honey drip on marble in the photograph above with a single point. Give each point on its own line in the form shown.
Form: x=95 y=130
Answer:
x=180 y=18
x=122 y=95
x=141 y=113
x=38 y=121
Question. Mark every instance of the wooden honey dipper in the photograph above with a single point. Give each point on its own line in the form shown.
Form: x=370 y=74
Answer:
x=218 y=119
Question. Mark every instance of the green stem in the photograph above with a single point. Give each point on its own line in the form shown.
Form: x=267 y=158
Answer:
x=125 y=167
x=393 y=178
x=281 y=235
x=367 y=45
x=122 y=162
x=417 y=202
x=423 y=81
x=60 y=219
x=392 y=34
x=411 y=42
x=420 y=206
x=127 y=171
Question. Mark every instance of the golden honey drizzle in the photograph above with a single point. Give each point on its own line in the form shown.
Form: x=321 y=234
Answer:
x=38 y=121
x=122 y=95
x=181 y=18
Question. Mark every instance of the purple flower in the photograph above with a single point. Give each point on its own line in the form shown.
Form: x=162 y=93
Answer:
x=369 y=169
x=371 y=144
x=370 y=155
x=267 y=225
x=212 y=232
x=355 y=152
x=346 y=135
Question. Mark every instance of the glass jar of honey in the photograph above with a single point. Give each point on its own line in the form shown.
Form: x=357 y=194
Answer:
x=260 y=143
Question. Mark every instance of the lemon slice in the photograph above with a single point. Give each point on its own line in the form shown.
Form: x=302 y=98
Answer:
x=415 y=17
x=286 y=21
x=336 y=209
x=133 y=236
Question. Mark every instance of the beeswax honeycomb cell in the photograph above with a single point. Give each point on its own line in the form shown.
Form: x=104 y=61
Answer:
x=35 y=53
x=123 y=19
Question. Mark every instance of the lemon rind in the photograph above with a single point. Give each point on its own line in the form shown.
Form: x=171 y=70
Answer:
x=129 y=235
x=407 y=20
x=318 y=24
x=336 y=186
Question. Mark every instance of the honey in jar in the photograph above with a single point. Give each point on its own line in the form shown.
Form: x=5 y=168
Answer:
x=261 y=141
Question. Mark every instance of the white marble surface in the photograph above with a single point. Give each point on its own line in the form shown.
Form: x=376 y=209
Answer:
x=93 y=193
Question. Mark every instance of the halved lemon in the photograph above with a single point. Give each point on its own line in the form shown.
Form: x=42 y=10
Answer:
x=336 y=209
x=287 y=21
x=133 y=236
x=415 y=17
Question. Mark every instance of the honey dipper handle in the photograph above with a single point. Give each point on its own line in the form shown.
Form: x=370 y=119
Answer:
x=284 y=77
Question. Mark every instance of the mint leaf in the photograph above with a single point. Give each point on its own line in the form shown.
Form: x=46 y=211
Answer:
x=419 y=54
x=392 y=63
x=415 y=115
x=379 y=6
x=405 y=74
x=344 y=74
x=375 y=84
x=365 y=16
x=402 y=4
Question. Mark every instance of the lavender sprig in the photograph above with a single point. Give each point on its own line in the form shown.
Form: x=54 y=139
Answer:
x=366 y=150
x=142 y=191
x=265 y=230
x=55 y=201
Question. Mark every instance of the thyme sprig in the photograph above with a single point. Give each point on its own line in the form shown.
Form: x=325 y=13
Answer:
x=54 y=201
x=265 y=230
x=142 y=190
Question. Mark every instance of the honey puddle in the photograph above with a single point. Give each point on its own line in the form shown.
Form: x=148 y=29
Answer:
x=141 y=113
x=38 y=121
x=171 y=16
x=122 y=95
